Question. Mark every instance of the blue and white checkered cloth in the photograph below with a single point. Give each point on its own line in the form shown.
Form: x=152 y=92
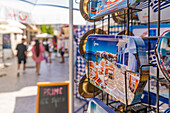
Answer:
x=80 y=62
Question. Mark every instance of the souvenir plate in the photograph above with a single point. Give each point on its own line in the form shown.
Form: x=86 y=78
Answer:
x=84 y=10
x=108 y=57
x=83 y=40
x=123 y=18
x=163 y=54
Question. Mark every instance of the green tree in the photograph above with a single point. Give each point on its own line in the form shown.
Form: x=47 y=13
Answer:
x=50 y=30
x=43 y=28
x=47 y=29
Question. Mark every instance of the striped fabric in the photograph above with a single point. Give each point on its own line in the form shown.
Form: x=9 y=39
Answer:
x=167 y=111
x=142 y=5
x=80 y=62
x=116 y=28
x=153 y=4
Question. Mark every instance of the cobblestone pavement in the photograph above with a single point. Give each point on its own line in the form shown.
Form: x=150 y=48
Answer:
x=18 y=94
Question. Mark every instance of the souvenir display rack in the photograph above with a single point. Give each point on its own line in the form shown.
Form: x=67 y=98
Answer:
x=127 y=26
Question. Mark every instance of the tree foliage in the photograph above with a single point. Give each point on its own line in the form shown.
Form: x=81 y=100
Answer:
x=47 y=29
x=50 y=30
x=43 y=28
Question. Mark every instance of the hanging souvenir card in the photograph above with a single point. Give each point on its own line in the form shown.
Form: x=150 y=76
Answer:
x=163 y=54
x=99 y=8
x=107 y=59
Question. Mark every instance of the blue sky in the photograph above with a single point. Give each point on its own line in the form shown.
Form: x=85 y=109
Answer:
x=102 y=45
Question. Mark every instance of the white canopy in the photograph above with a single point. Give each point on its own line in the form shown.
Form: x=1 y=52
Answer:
x=40 y=11
x=4 y=28
x=11 y=26
x=14 y=23
x=44 y=35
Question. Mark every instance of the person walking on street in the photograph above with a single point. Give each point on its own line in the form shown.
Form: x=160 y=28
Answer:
x=37 y=51
x=50 y=50
x=62 y=49
x=46 y=47
x=21 y=55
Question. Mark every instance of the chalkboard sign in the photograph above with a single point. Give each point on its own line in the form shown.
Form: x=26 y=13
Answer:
x=53 y=98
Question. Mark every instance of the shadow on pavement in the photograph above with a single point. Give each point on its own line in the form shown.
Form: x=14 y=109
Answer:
x=25 y=104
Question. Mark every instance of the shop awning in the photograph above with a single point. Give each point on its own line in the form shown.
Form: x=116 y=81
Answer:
x=40 y=11
x=44 y=35
x=4 y=28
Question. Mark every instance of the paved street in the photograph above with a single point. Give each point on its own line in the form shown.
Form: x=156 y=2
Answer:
x=18 y=94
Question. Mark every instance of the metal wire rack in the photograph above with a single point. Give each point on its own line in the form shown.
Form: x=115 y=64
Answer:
x=128 y=23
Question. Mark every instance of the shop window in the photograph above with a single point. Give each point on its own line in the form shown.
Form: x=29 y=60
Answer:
x=125 y=45
x=126 y=59
x=121 y=58
x=118 y=61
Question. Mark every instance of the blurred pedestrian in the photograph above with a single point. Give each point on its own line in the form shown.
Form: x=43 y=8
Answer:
x=55 y=45
x=37 y=51
x=55 y=49
x=46 y=51
x=22 y=55
x=50 y=50
x=62 y=48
